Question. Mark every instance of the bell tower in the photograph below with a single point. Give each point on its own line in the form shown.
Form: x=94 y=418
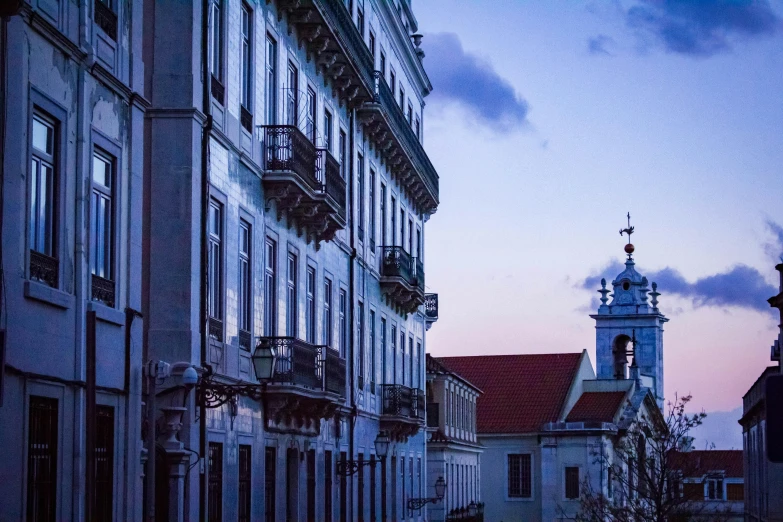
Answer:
x=629 y=329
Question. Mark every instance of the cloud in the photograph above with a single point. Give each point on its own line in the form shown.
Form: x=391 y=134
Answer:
x=774 y=248
x=598 y=45
x=741 y=286
x=701 y=28
x=461 y=77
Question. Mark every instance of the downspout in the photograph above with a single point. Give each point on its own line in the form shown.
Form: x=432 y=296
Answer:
x=352 y=293
x=203 y=330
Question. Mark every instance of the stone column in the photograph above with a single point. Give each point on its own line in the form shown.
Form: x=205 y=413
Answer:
x=177 y=460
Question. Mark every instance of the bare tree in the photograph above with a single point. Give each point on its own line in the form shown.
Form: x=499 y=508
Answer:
x=646 y=472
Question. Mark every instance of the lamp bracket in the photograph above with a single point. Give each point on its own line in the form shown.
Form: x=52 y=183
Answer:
x=213 y=394
x=415 y=504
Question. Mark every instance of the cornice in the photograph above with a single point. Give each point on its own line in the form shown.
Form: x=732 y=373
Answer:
x=411 y=62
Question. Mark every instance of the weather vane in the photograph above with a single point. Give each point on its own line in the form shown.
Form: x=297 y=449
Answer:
x=629 y=247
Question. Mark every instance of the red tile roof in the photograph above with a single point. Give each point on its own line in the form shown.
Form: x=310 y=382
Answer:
x=521 y=392
x=596 y=406
x=701 y=462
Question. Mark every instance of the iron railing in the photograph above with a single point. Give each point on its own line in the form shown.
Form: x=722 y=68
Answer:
x=218 y=90
x=287 y=148
x=417 y=403
x=464 y=514
x=405 y=135
x=303 y=364
x=402 y=401
x=396 y=262
x=431 y=307
x=216 y=329
x=328 y=173
x=44 y=268
x=433 y=414
x=106 y=19
x=334 y=371
x=103 y=290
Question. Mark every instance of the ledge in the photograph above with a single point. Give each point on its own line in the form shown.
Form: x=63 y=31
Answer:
x=106 y=314
x=48 y=295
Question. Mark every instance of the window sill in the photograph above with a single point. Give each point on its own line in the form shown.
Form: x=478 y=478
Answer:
x=106 y=314
x=48 y=295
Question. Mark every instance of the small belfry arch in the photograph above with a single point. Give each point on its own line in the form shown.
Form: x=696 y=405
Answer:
x=621 y=352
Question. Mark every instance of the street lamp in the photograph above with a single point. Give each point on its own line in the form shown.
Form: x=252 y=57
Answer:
x=264 y=358
x=415 y=504
x=472 y=508
x=349 y=467
x=213 y=394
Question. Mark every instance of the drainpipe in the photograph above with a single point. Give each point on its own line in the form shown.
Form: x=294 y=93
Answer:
x=352 y=293
x=204 y=330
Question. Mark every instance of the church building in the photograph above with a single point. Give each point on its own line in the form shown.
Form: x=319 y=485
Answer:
x=543 y=418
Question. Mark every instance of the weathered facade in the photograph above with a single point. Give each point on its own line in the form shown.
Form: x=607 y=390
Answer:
x=286 y=196
x=73 y=154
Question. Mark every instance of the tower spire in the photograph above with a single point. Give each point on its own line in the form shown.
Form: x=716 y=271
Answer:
x=629 y=248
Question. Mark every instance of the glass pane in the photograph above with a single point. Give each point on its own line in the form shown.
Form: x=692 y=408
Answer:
x=107 y=237
x=101 y=171
x=46 y=217
x=34 y=174
x=43 y=136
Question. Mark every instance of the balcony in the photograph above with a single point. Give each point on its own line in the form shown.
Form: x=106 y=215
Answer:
x=308 y=385
x=325 y=29
x=430 y=309
x=402 y=279
x=391 y=133
x=304 y=182
x=403 y=411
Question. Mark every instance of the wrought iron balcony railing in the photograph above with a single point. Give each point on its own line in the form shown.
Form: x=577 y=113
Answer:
x=103 y=290
x=44 y=268
x=287 y=148
x=401 y=401
x=303 y=364
x=431 y=307
x=328 y=173
x=396 y=262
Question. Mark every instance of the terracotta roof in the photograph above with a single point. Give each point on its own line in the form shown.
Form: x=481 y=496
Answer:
x=436 y=366
x=701 y=462
x=521 y=392
x=596 y=406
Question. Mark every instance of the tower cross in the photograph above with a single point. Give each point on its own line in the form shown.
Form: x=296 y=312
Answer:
x=628 y=230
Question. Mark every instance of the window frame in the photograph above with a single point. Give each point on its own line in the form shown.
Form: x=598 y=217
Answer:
x=215 y=298
x=271 y=80
x=292 y=294
x=311 y=292
x=246 y=37
x=292 y=95
x=245 y=291
x=270 y=286
x=311 y=118
x=517 y=498
x=328 y=311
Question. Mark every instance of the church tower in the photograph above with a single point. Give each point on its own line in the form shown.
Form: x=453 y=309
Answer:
x=629 y=328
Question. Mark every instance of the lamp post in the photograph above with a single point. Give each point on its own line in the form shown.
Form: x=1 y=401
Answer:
x=415 y=504
x=349 y=467
x=213 y=394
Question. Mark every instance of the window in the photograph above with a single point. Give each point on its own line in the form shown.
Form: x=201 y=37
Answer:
x=572 y=483
x=106 y=17
x=360 y=20
x=384 y=375
x=418 y=366
x=215 y=486
x=310 y=309
x=410 y=115
x=402 y=227
x=328 y=130
x=410 y=360
x=417 y=128
x=394 y=221
x=271 y=80
x=402 y=480
x=245 y=483
x=419 y=253
x=343 y=323
x=383 y=214
x=42 y=448
x=42 y=228
x=715 y=489
x=292 y=308
x=311 y=484
x=270 y=289
x=342 y=144
x=215 y=301
x=402 y=354
x=310 y=127
x=402 y=98
x=292 y=95
x=360 y=320
x=270 y=471
x=383 y=64
x=393 y=337
x=372 y=47
x=216 y=48
x=328 y=312
x=328 y=486
x=103 y=497
x=372 y=210
x=102 y=228
x=410 y=236
x=245 y=285
x=610 y=483
x=247 y=67
x=392 y=80
x=394 y=487
x=360 y=196
x=372 y=350
x=519 y=476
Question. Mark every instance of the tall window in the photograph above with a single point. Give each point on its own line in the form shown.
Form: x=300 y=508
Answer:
x=270 y=479
x=42 y=227
x=383 y=214
x=392 y=80
x=343 y=323
x=311 y=110
x=394 y=221
x=292 y=95
x=328 y=325
x=418 y=244
x=417 y=128
x=271 y=80
x=402 y=227
x=419 y=380
x=360 y=196
x=372 y=47
x=102 y=227
x=519 y=475
x=328 y=130
x=384 y=375
x=360 y=20
x=360 y=320
x=310 y=309
x=572 y=483
x=410 y=236
x=410 y=353
x=292 y=309
x=372 y=350
x=393 y=337
x=270 y=288
x=247 y=61
x=342 y=144
x=245 y=482
x=215 y=485
x=328 y=478
x=394 y=487
x=215 y=304
x=715 y=489
x=311 y=484
x=360 y=490
x=372 y=210
x=383 y=63
x=103 y=498
x=42 y=436
x=410 y=115
x=245 y=285
x=216 y=43
x=402 y=98
x=402 y=355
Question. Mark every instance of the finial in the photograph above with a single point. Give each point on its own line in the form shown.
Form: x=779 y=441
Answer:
x=654 y=294
x=629 y=248
x=643 y=290
x=603 y=291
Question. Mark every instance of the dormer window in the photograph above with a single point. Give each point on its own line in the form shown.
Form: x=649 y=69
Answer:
x=626 y=285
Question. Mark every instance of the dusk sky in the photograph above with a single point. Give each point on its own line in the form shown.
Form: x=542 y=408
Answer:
x=550 y=120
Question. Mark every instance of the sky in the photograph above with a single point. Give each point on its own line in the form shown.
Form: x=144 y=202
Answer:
x=549 y=121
